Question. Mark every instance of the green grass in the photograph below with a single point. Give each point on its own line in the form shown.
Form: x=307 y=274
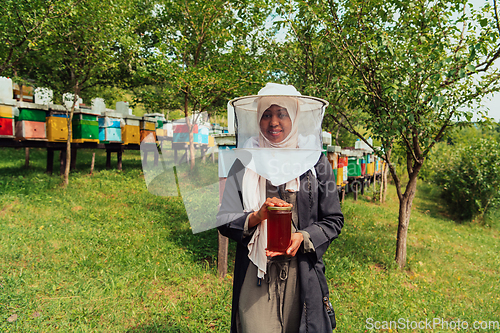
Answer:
x=104 y=255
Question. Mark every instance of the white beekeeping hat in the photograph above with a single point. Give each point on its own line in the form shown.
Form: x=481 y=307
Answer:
x=298 y=152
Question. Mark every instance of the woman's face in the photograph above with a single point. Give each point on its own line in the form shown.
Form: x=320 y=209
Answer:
x=275 y=123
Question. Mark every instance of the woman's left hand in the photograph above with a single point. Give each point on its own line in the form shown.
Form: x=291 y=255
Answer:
x=295 y=241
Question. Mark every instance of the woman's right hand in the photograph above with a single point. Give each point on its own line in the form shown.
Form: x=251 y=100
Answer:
x=261 y=214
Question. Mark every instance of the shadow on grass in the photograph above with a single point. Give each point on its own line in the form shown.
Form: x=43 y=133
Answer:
x=429 y=202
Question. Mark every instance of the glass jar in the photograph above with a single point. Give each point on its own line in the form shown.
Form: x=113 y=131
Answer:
x=279 y=228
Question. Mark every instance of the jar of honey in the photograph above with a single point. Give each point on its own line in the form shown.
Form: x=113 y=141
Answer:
x=279 y=228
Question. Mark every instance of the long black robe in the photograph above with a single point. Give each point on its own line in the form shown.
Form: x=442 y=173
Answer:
x=319 y=214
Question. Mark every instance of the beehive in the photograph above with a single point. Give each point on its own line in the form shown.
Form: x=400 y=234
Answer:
x=85 y=127
x=354 y=166
x=145 y=136
x=147 y=126
x=110 y=127
x=203 y=135
x=6 y=121
x=131 y=131
x=22 y=92
x=57 y=124
x=30 y=121
x=181 y=133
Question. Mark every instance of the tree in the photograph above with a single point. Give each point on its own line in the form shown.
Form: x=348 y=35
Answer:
x=26 y=26
x=89 y=47
x=411 y=68
x=200 y=54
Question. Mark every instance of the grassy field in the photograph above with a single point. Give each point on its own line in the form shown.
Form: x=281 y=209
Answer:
x=104 y=255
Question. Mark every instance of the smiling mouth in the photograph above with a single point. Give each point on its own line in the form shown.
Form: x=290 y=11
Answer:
x=275 y=132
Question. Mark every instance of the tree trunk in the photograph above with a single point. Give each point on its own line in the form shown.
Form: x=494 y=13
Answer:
x=70 y=135
x=384 y=180
x=383 y=184
x=405 y=203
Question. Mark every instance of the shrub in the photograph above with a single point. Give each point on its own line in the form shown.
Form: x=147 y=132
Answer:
x=471 y=179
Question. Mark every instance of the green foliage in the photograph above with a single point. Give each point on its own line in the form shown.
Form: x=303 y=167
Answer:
x=197 y=55
x=28 y=26
x=89 y=46
x=470 y=179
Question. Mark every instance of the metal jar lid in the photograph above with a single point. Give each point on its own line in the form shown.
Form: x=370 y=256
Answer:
x=279 y=208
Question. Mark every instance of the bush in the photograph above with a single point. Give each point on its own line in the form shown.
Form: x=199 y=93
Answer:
x=471 y=179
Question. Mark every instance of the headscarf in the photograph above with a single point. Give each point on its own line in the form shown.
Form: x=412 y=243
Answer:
x=292 y=106
x=254 y=186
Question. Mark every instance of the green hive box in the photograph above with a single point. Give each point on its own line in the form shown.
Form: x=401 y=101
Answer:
x=353 y=167
x=85 y=129
x=31 y=115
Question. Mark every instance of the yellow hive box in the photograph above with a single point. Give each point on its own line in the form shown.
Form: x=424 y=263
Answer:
x=369 y=169
x=148 y=125
x=159 y=132
x=57 y=129
x=340 y=176
x=131 y=135
x=6 y=111
x=211 y=141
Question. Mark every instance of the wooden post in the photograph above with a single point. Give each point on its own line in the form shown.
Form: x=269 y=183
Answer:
x=223 y=241
x=108 y=159
x=62 y=161
x=50 y=161
x=26 y=158
x=92 y=164
x=72 y=165
x=119 y=157
x=355 y=184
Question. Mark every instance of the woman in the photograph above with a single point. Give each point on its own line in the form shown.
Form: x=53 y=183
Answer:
x=280 y=291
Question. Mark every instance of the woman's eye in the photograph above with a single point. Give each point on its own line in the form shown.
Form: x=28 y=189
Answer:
x=283 y=115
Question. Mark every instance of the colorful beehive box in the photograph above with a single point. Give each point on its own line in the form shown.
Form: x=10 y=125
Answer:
x=57 y=123
x=181 y=133
x=85 y=127
x=211 y=141
x=30 y=130
x=110 y=130
x=145 y=136
x=354 y=166
x=131 y=131
x=203 y=135
x=340 y=176
x=147 y=124
x=30 y=121
x=7 y=129
x=22 y=92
